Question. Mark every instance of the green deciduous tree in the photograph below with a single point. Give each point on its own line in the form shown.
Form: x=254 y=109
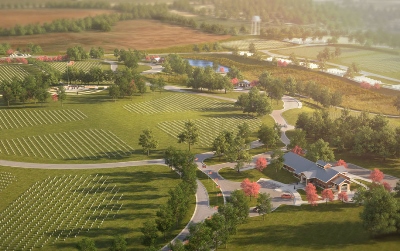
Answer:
x=320 y=150
x=254 y=102
x=268 y=136
x=190 y=135
x=150 y=233
x=86 y=244
x=241 y=203
x=118 y=244
x=62 y=96
x=147 y=141
x=165 y=219
x=380 y=214
x=277 y=160
x=264 y=204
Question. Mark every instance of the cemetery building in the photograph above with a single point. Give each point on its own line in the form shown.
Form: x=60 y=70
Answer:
x=320 y=173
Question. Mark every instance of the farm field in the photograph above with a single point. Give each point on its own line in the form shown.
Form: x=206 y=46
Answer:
x=10 y=18
x=134 y=34
x=94 y=129
x=54 y=209
x=309 y=228
x=260 y=44
x=372 y=61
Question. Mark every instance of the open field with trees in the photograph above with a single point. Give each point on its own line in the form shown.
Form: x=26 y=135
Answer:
x=307 y=227
x=115 y=126
x=125 y=34
x=353 y=96
x=51 y=207
x=375 y=61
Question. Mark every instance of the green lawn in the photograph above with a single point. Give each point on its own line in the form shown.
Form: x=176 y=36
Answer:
x=335 y=226
x=212 y=189
x=137 y=191
x=254 y=175
x=40 y=126
x=389 y=166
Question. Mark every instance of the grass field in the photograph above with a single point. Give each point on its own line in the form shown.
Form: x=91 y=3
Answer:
x=260 y=44
x=8 y=72
x=325 y=227
x=84 y=65
x=134 y=34
x=254 y=175
x=93 y=128
x=51 y=207
x=385 y=64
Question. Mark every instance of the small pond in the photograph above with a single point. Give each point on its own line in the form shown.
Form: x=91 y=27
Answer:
x=204 y=63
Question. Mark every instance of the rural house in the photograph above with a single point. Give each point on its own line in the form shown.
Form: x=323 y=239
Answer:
x=320 y=174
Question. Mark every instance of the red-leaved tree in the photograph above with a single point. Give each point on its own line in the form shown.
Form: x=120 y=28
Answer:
x=10 y=51
x=250 y=188
x=261 y=164
x=327 y=194
x=343 y=196
x=376 y=175
x=387 y=186
x=298 y=150
x=341 y=163
x=312 y=195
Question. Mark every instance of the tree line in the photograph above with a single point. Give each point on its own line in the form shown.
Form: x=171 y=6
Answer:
x=172 y=213
x=362 y=135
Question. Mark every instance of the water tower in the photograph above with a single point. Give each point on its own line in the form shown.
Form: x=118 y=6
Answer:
x=255 y=25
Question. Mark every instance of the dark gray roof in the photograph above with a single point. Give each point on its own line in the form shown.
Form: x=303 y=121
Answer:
x=321 y=162
x=338 y=180
x=309 y=168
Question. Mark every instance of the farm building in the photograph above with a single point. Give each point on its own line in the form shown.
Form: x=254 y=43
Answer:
x=320 y=174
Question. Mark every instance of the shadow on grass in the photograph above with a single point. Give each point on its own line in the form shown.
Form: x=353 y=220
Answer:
x=326 y=235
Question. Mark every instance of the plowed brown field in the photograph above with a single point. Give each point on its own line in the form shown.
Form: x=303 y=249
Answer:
x=9 y=18
x=137 y=34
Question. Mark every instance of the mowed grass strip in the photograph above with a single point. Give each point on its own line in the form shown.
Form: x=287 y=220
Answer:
x=209 y=128
x=8 y=72
x=178 y=103
x=45 y=204
x=82 y=144
x=335 y=226
x=13 y=118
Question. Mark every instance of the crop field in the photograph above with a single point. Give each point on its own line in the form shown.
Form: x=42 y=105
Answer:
x=178 y=103
x=10 y=18
x=260 y=44
x=8 y=72
x=83 y=144
x=24 y=117
x=58 y=208
x=372 y=61
x=80 y=65
x=209 y=128
x=137 y=34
